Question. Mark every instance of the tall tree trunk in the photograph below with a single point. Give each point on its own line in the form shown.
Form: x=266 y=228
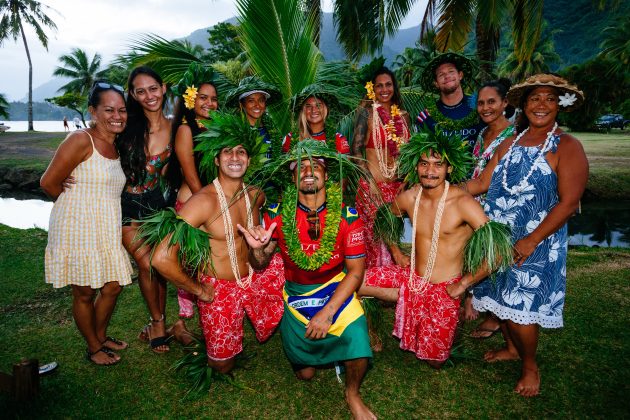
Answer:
x=30 y=82
x=487 y=47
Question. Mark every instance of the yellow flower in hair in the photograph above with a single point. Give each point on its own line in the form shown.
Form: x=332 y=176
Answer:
x=189 y=97
x=369 y=86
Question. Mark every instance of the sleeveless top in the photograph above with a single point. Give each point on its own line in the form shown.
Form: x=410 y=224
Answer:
x=533 y=293
x=84 y=238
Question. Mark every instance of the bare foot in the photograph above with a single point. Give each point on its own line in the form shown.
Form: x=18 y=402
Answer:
x=500 y=355
x=359 y=410
x=529 y=384
x=375 y=341
x=103 y=357
x=180 y=332
x=470 y=313
x=305 y=374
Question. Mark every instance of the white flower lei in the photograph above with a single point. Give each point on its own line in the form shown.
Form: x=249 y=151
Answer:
x=520 y=187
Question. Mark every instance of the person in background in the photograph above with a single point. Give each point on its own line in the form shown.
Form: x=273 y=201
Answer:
x=65 y=124
x=84 y=247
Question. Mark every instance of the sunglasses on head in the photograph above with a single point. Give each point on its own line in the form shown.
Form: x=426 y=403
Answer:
x=105 y=85
x=314 y=227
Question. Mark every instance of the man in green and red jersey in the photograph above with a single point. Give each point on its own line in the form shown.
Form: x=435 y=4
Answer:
x=322 y=244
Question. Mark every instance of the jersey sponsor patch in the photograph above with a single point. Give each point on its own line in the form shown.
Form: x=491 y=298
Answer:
x=355 y=237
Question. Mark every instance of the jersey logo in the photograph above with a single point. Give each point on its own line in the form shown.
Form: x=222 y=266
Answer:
x=350 y=214
x=273 y=208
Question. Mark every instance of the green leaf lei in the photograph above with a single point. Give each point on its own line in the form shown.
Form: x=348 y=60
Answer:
x=447 y=124
x=331 y=228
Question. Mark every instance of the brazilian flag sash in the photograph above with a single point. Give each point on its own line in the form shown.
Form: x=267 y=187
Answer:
x=305 y=305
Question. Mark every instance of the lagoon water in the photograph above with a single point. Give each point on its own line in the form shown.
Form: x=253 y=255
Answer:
x=597 y=226
x=49 y=126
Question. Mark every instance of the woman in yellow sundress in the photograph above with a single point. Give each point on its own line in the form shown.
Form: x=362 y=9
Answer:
x=84 y=248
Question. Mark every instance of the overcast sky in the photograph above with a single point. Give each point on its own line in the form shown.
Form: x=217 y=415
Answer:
x=106 y=27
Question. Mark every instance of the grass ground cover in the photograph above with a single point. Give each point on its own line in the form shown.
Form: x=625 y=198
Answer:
x=584 y=366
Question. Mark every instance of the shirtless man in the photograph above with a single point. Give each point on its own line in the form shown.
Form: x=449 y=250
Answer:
x=227 y=287
x=428 y=296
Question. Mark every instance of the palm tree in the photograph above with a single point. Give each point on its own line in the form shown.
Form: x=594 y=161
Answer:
x=31 y=12
x=408 y=66
x=4 y=107
x=616 y=45
x=78 y=67
x=543 y=55
x=455 y=19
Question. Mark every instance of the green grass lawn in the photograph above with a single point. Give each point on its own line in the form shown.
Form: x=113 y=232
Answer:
x=584 y=366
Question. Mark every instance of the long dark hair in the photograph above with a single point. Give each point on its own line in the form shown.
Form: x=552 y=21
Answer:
x=384 y=70
x=131 y=144
x=501 y=86
x=174 y=174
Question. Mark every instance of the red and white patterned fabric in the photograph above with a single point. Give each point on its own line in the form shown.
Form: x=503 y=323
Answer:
x=426 y=322
x=222 y=319
x=378 y=254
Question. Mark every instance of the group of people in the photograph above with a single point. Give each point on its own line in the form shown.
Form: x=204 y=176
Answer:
x=488 y=201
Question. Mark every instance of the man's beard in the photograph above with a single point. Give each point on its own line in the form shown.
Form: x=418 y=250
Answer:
x=311 y=189
x=430 y=187
x=448 y=91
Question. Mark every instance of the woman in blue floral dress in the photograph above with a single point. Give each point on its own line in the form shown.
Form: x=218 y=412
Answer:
x=534 y=183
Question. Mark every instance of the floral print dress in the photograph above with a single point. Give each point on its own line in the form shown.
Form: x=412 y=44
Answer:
x=533 y=293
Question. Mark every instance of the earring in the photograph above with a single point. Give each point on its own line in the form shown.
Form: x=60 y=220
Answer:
x=503 y=112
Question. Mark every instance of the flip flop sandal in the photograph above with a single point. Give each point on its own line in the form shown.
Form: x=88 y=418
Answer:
x=483 y=330
x=115 y=341
x=106 y=350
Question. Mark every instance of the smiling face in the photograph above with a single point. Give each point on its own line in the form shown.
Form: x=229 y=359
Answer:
x=311 y=177
x=315 y=111
x=541 y=106
x=432 y=171
x=384 y=89
x=448 y=78
x=148 y=92
x=232 y=162
x=254 y=106
x=111 y=113
x=206 y=101
x=490 y=106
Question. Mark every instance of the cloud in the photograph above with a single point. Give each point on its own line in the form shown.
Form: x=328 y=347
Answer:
x=103 y=26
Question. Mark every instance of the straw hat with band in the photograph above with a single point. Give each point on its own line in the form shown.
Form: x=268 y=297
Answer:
x=463 y=64
x=570 y=97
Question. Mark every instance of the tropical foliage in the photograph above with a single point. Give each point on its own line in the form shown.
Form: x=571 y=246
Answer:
x=4 y=107
x=16 y=13
x=408 y=66
x=543 y=55
x=224 y=43
x=616 y=45
x=604 y=91
x=72 y=100
x=82 y=71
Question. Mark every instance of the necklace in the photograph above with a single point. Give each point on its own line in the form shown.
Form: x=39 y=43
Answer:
x=331 y=228
x=381 y=145
x=420 y=286
x=520 y=187
x=229 y=232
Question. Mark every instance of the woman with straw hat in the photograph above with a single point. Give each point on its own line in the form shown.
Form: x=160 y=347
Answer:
x=534 y=183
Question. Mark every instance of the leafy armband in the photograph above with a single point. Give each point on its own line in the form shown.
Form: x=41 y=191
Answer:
x=194 y=244
x=388 y=226
x=489 y=247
